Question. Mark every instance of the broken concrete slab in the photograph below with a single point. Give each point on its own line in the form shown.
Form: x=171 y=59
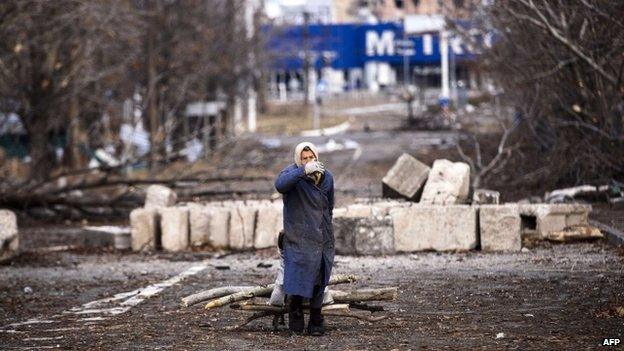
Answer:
x=9 y=236
x=448 y=183
x=548 y=218
x=144 y=229
x=174 y=224
x=374 y=236
x=269 y=223
x=405 y=178
x=440 y=228
x=499 y=227
x=485 y=197
x=160 y=196
x=242 y=227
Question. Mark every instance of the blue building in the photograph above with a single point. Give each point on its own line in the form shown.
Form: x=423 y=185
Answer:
x=365 y=56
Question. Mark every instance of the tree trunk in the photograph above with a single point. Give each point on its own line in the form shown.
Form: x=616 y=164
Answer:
x=152 y=91
x=43 y=158
x=72 y=156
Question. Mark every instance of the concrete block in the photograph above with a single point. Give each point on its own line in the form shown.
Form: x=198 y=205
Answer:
x=382 y=208
x=440 y=228
x=448 y=183
x=269 y=223
x=144 y=229
x=160 y=196
x=344 y=235
x=219 y=227
x=174 y=223
x=242 y=227
x=499 y=227
x=485 y=197
x=117 y=237
x=199 y=222
x=405 y=178
x=374 y=236
x=9 y=235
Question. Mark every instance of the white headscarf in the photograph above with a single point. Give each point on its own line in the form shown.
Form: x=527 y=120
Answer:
x=299 y=149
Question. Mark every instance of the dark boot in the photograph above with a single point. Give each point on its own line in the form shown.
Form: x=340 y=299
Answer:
x=295 y=316
x=316 y=324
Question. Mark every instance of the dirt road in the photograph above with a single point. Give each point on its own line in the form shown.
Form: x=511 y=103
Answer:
x=552 y=297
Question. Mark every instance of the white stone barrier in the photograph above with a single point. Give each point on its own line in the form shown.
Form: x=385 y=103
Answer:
x=439 y=228
x=9 y=236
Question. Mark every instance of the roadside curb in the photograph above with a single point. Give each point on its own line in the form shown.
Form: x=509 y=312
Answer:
x=614 y=236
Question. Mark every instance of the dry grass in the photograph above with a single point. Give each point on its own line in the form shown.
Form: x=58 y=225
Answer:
x=292 y=119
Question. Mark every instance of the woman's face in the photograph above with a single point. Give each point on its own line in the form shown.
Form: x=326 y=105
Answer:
x=307 y=156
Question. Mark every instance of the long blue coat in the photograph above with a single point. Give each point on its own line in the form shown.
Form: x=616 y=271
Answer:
x=308 y=232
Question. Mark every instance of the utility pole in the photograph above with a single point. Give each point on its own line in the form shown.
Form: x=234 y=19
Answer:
x=444 y=62
x=306 y=56
x=405 y=58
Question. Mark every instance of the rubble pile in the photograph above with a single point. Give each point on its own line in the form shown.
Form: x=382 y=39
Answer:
x=255 y=299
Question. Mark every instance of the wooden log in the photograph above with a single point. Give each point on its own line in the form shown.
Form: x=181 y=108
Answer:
x=383 y=294
x=213 y=294
x=247 y=294
x=265 y=290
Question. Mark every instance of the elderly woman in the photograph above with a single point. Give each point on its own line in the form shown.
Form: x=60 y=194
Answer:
x=308 y=196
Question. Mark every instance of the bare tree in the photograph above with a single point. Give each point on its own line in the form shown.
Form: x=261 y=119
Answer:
x=560 y=65
x=46 y=62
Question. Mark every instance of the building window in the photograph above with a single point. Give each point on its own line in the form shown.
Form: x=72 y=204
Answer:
x=398 y=4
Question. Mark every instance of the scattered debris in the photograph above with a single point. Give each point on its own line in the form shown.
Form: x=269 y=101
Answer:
x=342 y=301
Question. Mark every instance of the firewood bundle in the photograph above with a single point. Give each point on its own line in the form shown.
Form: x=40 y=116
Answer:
x=252 y=299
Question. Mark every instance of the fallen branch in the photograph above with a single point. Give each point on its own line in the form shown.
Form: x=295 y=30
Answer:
x=337 y=295
x=264 y=290
x=247 y=294
x=213 y=294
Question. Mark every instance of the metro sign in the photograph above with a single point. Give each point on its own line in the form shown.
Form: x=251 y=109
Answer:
x=384 y=43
